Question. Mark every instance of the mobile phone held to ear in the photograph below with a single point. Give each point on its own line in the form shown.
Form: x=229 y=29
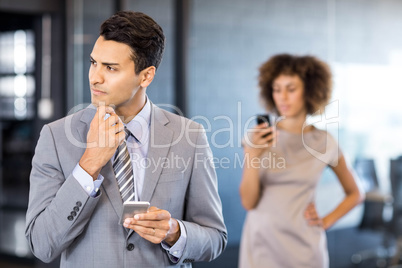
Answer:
x=264 y=118
x=130 y=208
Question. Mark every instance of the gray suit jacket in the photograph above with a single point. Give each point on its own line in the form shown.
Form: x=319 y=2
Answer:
x=63 y=219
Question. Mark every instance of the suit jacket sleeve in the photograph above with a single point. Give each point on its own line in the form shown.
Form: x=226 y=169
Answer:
x=203 y=219
x=59 y=208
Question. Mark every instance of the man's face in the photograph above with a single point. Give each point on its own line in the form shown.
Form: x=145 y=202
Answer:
x=112 y=77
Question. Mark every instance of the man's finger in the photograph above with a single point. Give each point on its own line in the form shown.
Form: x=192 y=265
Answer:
x=159 y=225
x=119 y=127
x=109 y=110
x=153 y=209
x=153 y=215
x=152 y=234
x=101 y=112
x=111 y=120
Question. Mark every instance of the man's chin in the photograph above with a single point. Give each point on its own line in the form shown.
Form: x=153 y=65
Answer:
x=98 y=103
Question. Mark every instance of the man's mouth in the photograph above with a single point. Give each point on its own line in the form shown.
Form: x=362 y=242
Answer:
x=97 y=92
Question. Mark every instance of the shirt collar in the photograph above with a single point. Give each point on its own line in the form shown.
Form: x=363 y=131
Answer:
x=139 y=125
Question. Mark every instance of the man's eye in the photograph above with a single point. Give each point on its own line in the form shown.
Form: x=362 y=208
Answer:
x=93 y=62
x=111 y=68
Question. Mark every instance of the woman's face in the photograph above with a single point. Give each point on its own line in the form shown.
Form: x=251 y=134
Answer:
x=288 y=95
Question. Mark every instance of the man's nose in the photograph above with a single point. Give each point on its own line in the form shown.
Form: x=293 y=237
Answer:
x=95 y=76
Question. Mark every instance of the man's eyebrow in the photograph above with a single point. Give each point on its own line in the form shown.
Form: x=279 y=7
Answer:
x=105 y=63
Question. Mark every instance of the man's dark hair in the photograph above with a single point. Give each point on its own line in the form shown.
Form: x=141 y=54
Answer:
x=140 y=32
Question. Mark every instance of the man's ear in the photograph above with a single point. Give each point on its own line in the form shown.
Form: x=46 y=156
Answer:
x=147 y=75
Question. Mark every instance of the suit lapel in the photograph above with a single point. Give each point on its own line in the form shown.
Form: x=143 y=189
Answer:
x=160 y=139
x=86 y=119
x=111 y=189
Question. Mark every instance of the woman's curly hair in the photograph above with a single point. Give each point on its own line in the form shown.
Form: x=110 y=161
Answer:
x=315 y=74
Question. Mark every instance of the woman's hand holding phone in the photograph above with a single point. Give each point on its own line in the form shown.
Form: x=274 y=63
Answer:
x=259 y=138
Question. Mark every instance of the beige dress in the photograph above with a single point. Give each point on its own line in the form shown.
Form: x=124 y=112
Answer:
x=275 y=233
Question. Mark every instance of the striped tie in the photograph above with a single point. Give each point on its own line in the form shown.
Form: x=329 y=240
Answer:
x=124 y=170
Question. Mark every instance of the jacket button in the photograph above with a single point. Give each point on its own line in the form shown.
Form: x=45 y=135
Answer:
x=76 y=209
x=73 y=213
x=130 y=247
x=79 y=204
x=70 y=218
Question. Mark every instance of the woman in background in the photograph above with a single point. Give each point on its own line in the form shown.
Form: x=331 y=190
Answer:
x=283 y=167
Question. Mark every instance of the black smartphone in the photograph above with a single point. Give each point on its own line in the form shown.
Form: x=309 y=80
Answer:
x=264 y=118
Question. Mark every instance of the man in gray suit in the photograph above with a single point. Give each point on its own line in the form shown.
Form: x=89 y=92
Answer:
x=75 y=201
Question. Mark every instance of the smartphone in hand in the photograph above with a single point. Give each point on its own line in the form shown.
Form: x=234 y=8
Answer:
x=130 y=208
x=264 y=118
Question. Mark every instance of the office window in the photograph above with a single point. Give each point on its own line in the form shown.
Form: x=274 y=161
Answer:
x=17 y=82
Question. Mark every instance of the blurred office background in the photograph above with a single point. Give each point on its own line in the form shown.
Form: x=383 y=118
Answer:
x=209 y=71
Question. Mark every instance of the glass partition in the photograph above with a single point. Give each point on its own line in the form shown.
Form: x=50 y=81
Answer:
x=83 y=22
